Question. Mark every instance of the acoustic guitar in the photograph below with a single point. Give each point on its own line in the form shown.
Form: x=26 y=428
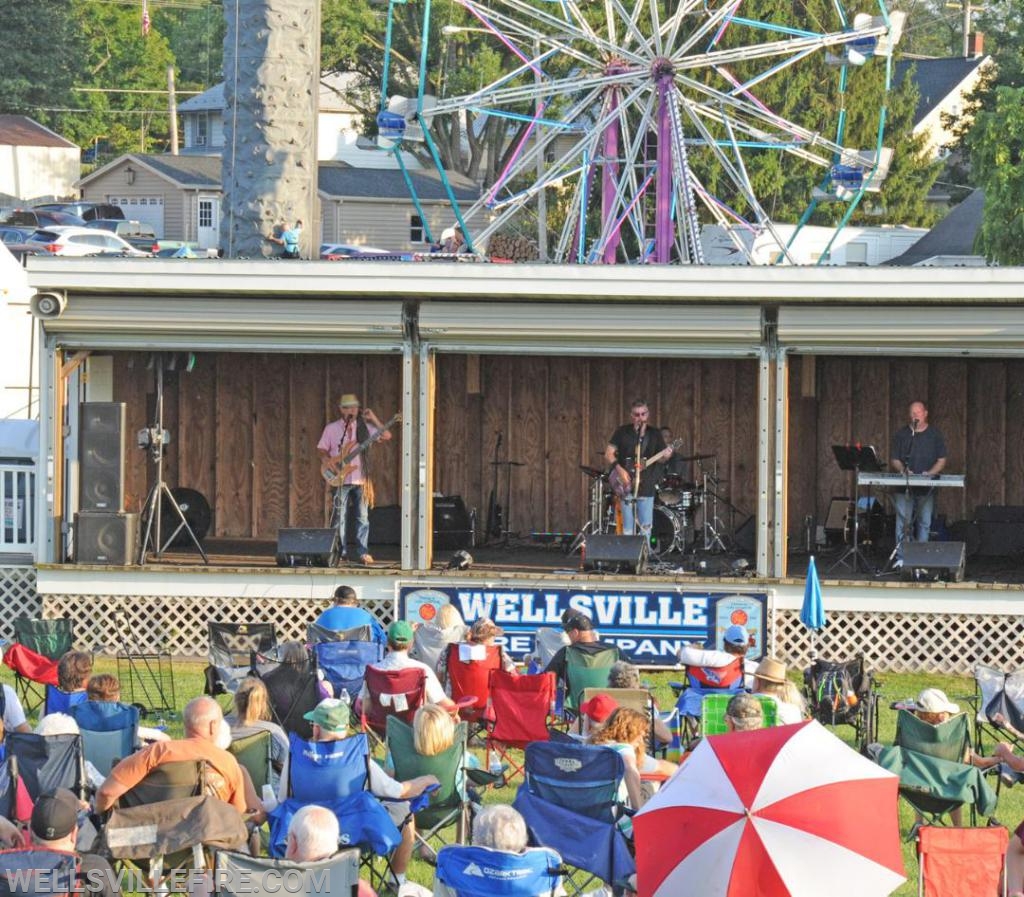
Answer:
x=623 y=484
x=336 y=469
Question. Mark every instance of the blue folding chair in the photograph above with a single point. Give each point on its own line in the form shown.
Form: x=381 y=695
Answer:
x=110 y=731
x=344 y=663
x=335 y=775
x=58 y=701
x=483 y=872
x=570 y=801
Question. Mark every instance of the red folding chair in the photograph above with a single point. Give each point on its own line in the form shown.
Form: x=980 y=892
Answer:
x=32 y=673
x=521 y=707
x=398 y=693
x=469 y=678
x=957 y=861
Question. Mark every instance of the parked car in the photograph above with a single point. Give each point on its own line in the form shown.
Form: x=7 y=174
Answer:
x=36 y=218
x=333 y=251
x=141 y=236
x=9 y=234
x=81 y=241
x=87 y=211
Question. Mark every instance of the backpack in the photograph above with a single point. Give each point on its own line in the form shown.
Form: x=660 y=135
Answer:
x=39 y=871
x=831 y=695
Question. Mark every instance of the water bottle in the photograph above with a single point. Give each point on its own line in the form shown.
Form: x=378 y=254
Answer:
x=344 y=697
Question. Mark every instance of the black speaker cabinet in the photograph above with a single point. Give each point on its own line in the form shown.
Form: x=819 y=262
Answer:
x=385 y=526
x=452 y=527
x=616 y=554
x=944 y=560
x=307 y=547
x=1001 y=530
x=101 y=456
x=106 y=537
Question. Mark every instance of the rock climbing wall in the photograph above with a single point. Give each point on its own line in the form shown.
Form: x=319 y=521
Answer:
x=271 y=89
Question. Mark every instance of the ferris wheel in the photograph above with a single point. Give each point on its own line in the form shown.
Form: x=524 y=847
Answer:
x=631 y=126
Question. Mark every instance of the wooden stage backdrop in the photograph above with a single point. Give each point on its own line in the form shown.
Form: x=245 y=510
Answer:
x=977 y=404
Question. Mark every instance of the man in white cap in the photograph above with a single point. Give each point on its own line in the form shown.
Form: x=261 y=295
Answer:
x=338 y=441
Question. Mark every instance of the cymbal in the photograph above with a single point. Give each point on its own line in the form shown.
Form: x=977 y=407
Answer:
x=592 y=472
x=697 y=457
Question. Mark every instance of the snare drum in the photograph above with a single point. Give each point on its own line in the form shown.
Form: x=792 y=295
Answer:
x=674 y=492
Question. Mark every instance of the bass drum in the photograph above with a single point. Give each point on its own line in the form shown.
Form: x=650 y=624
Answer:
x=668 y=531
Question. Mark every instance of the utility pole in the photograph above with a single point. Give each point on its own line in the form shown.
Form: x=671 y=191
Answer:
x=172 y=110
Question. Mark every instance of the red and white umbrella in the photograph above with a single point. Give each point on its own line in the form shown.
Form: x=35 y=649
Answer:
x=783 y=812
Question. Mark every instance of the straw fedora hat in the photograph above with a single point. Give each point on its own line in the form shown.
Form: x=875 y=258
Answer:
x=771 y=670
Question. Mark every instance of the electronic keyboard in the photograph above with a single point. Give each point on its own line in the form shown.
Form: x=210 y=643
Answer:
x=919 y=480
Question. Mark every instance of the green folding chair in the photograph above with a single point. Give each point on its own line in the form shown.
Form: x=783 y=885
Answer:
x=253 y=752
x=713 y=707
x=585 y=670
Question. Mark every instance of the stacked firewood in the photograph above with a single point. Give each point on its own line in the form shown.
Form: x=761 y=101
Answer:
x=512 y=247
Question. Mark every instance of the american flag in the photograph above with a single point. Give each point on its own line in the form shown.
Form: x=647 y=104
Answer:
x=145 y=18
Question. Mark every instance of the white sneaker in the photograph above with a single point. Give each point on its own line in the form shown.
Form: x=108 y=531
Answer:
x=897 y=564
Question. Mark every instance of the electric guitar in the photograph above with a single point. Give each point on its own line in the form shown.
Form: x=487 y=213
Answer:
x=622 y=483
x=334 y=470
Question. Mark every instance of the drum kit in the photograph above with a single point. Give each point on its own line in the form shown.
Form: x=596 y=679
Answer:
x=686 y=517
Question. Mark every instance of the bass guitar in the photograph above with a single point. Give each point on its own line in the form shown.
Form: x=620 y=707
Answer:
x=336 y=469
x=622 y=484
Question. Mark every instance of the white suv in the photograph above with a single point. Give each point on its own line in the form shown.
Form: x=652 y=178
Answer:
x=83 y=241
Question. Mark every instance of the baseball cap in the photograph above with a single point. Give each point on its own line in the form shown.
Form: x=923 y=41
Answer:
x=400 y=632
x=55 y=814
x=599 y=707
x=580 y=622
x=331 y=715
x=934 y=700
x=737 y=635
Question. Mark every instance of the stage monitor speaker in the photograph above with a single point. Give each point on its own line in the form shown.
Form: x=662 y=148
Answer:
x=101 y=456
x=945 y=560
x=453 y=530
x=616 y=554
x=197 y=513
x=106 y=537
x=385 y=526
x=1000 y=530
x=307 y=547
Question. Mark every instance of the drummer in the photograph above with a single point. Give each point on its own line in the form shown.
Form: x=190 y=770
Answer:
x=676 y=469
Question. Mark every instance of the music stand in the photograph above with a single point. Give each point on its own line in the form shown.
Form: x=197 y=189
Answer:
x=855 y=458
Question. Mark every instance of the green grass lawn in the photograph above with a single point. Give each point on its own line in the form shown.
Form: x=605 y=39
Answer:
x=188 y=682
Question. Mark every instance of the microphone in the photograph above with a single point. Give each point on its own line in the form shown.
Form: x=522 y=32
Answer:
x=914 y=424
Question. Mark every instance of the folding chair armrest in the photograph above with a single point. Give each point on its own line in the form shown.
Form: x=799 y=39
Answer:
x=484 y=777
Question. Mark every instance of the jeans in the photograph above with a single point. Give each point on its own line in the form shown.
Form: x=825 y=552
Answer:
x=919 y=506
x=341 y=500
x=644 y=516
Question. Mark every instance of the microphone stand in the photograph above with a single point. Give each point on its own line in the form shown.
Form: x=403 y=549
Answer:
x=911 y=521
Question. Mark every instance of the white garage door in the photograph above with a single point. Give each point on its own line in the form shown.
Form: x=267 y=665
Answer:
x=147 y=209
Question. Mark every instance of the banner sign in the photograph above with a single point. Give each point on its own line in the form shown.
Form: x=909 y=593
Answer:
x=649 y=626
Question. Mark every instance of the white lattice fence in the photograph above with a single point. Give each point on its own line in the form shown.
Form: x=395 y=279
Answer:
x=18 y=597
x=906 y=642
x=177 y=624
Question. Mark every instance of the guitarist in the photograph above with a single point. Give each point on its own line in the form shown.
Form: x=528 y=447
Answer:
x=637 y=439
x=339 y=438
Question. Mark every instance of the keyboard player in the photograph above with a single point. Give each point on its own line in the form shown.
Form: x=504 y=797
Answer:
x=917 y=448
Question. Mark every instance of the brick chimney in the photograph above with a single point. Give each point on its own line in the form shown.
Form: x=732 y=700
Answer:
x=975 y=44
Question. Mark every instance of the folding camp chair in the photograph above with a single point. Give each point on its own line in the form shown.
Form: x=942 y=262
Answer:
x=464 y=871
x=468 y=670
x=449 y=804
x=253 y=753
x=335 y=775
x=584 y=669
x=928 y=759
x=37 y=763
x=430 y=644
x=958 y=861
x=168 y=821
x=521 y=709
x=292 y=692
x=639 y=699
x=343 y=663
x=315 y=634
x=240 y=875
x=999 y=700
x=51 y=638
x=570 y=802
x=843 y=693
x=42 y=643
x=392 y=693
x=231 y=646
x=699 y=682
x=110 y=731
x=60 y=701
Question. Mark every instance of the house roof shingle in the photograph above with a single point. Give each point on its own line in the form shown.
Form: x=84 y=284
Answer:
x=936 y=79
x=20 y=130
x=952 y=236
x=339 y=179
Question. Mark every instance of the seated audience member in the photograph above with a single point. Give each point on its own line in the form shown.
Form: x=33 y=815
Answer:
x=54 y=826
x=10 y=834
x=624 y=675
x=582 y=636
x=345 y=613
x=12 y=714
x=62 y=724
x=708 y=669
x=448 y=617
x=400 y=637
x=106 y=689
x=595 y=713
x=207 y=737
x=483 y=632
x=330 y=721
x=433 y=732
x=313 y=835
x=252 y=715
x=744 y=713
x=626 y=731
x=73 y=671
x=770 y=679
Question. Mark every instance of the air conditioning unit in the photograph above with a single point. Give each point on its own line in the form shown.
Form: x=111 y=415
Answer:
x=200 y=140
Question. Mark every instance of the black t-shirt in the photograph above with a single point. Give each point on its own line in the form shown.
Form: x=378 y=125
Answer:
x=918 y=451
x=625 y=439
